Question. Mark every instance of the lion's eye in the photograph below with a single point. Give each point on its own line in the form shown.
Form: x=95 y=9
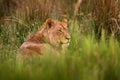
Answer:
x=60 y=30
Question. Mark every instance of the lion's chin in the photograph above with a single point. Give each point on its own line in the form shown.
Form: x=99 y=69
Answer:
x=65 y=42
x=64 y=46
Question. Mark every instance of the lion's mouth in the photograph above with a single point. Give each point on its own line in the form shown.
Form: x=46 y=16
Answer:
x=65 y=42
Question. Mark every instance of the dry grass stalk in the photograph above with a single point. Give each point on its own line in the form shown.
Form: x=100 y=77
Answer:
x=77 y=6
x=105 y=10
x=35 y=9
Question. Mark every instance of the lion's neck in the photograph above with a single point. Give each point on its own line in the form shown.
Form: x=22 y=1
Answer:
x=38 y=38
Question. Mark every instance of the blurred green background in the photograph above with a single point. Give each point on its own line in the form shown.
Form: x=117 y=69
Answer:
x=94 y=50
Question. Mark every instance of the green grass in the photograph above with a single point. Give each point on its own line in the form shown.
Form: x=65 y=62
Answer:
x=85 y=59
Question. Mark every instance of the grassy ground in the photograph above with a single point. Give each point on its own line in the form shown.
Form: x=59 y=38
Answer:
x=86 y=58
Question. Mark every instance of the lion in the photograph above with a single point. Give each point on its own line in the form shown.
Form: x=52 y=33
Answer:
x=53 y=35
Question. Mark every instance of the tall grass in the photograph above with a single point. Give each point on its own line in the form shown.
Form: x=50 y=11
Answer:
x=28 y=10
x=107 y=14
x=85 y=59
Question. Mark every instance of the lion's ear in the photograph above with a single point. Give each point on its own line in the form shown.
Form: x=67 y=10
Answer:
x=49 y=23
x=64 y=21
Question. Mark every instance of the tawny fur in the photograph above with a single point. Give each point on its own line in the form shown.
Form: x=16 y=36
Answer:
x=53 y=35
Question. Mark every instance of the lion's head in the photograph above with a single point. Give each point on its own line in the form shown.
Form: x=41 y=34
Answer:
x=56 y=32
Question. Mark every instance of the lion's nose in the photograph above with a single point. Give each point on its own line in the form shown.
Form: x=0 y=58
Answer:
x=68 y=37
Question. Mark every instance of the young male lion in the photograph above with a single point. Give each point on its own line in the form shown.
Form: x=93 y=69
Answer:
x=53 y=35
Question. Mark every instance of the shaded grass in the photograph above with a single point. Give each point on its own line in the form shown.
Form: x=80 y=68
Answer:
x=85 y=59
